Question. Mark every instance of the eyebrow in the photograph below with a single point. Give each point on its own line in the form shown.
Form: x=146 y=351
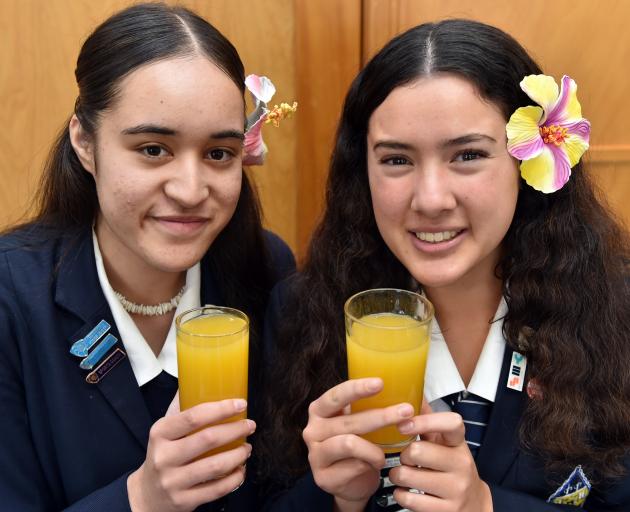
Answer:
x=228 y=134
x=467 y=139
x=458 y=141
x=162 y=130
x=391 y=144
x=148 y=128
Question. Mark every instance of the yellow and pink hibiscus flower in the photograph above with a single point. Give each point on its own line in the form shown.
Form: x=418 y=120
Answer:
x=551 y=138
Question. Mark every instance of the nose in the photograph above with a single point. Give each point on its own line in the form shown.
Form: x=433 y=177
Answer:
x=187 y=183
x=433 y=192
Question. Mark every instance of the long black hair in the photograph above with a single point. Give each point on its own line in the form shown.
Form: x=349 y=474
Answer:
x=564 y=257
x=67 y=201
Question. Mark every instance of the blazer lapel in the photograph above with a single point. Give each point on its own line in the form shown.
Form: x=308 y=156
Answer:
x=78 y=290
x=501 y=444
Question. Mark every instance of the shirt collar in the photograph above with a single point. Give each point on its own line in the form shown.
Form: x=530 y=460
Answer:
x=442 y=377
x=144 y=364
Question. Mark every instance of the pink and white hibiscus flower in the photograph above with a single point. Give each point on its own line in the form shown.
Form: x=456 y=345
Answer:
x=549 y=139
x=262 y=90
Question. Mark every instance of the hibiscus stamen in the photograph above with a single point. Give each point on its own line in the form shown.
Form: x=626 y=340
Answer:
x=553 y=134
x=278 y=113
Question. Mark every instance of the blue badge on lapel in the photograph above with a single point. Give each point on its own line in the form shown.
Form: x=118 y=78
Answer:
x=82 y=347
x=573 y=491
x=97 y=354
x=90 y=341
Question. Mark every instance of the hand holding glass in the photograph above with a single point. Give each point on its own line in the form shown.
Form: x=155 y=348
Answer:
x=387 y=336
x=212 y=357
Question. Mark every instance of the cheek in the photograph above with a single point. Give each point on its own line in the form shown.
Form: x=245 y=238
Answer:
x=119 y=192
x=125 y=195
x=495 y=206
x=228 y=190
x=123 y=200
x=390 y=198
x=385 y=212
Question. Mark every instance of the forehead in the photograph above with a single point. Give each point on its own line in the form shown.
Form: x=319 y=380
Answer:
x=178 y=91
x=442 y=105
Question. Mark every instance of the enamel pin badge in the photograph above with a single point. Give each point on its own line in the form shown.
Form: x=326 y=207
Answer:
x=516 y=376
x=82 y=347
x=92 y=349
x=103 y=369
x=573 y=491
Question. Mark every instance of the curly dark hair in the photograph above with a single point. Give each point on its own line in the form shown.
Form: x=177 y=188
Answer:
x=564 y=257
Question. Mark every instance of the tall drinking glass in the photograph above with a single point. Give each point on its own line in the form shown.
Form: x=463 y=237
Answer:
x=387 y=336
x=212 y=356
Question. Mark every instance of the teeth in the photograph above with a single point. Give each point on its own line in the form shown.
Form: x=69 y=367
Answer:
x=436 y=237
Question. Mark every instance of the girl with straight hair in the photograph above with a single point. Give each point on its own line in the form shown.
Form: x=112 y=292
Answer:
x=144 y=212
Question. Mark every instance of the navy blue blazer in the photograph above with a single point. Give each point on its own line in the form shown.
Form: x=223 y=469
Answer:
x=517 y=480
x=64 y=443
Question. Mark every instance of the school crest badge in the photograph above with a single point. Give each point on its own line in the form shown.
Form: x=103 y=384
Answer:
x=573 y=491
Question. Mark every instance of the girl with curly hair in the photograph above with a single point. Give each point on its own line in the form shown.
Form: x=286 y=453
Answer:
x=428 y=191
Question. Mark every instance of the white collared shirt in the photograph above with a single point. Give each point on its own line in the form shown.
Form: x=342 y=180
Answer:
x=144 y=364
x=442 y=377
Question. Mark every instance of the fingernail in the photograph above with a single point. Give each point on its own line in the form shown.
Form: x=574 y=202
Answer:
x=406 y=427
x=373 y=385
x=240 y=404
x=405 y=411
x=251 y=425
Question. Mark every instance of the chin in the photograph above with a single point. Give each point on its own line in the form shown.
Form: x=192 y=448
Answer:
x=176 y=262
x=436 y=279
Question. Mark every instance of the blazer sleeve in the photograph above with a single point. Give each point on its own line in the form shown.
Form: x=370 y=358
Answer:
x=26 y=483
x=112 y=497
x=23 y=485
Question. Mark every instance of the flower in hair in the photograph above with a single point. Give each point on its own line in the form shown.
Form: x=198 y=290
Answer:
x=262 y=90
x=551 y=138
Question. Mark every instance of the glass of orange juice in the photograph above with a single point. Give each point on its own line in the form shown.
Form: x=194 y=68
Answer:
x=387 y=336
x=212 y=356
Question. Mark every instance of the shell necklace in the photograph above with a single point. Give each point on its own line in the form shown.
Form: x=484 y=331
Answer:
x=150 y=310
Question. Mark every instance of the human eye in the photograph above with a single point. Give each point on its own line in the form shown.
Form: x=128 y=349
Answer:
x=220 y=154
x=395 y=160
x=468 y=155
x=154 y=151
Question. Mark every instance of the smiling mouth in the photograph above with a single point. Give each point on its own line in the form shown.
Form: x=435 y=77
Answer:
x=436 y=238
x=182 y=226
x=183 y=220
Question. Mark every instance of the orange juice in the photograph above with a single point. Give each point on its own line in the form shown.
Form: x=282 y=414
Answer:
x=212 y=355
x=395 y=348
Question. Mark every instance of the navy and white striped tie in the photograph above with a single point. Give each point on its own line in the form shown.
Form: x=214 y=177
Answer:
x=385 y=494
x=475 y=411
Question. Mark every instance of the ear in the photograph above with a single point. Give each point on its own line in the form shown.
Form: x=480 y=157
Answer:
x=83 y=144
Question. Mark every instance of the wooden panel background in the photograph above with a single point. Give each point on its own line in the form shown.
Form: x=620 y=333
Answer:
x=587 y=40
x=328 y=53
x=311 y=49
x=288 y=40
